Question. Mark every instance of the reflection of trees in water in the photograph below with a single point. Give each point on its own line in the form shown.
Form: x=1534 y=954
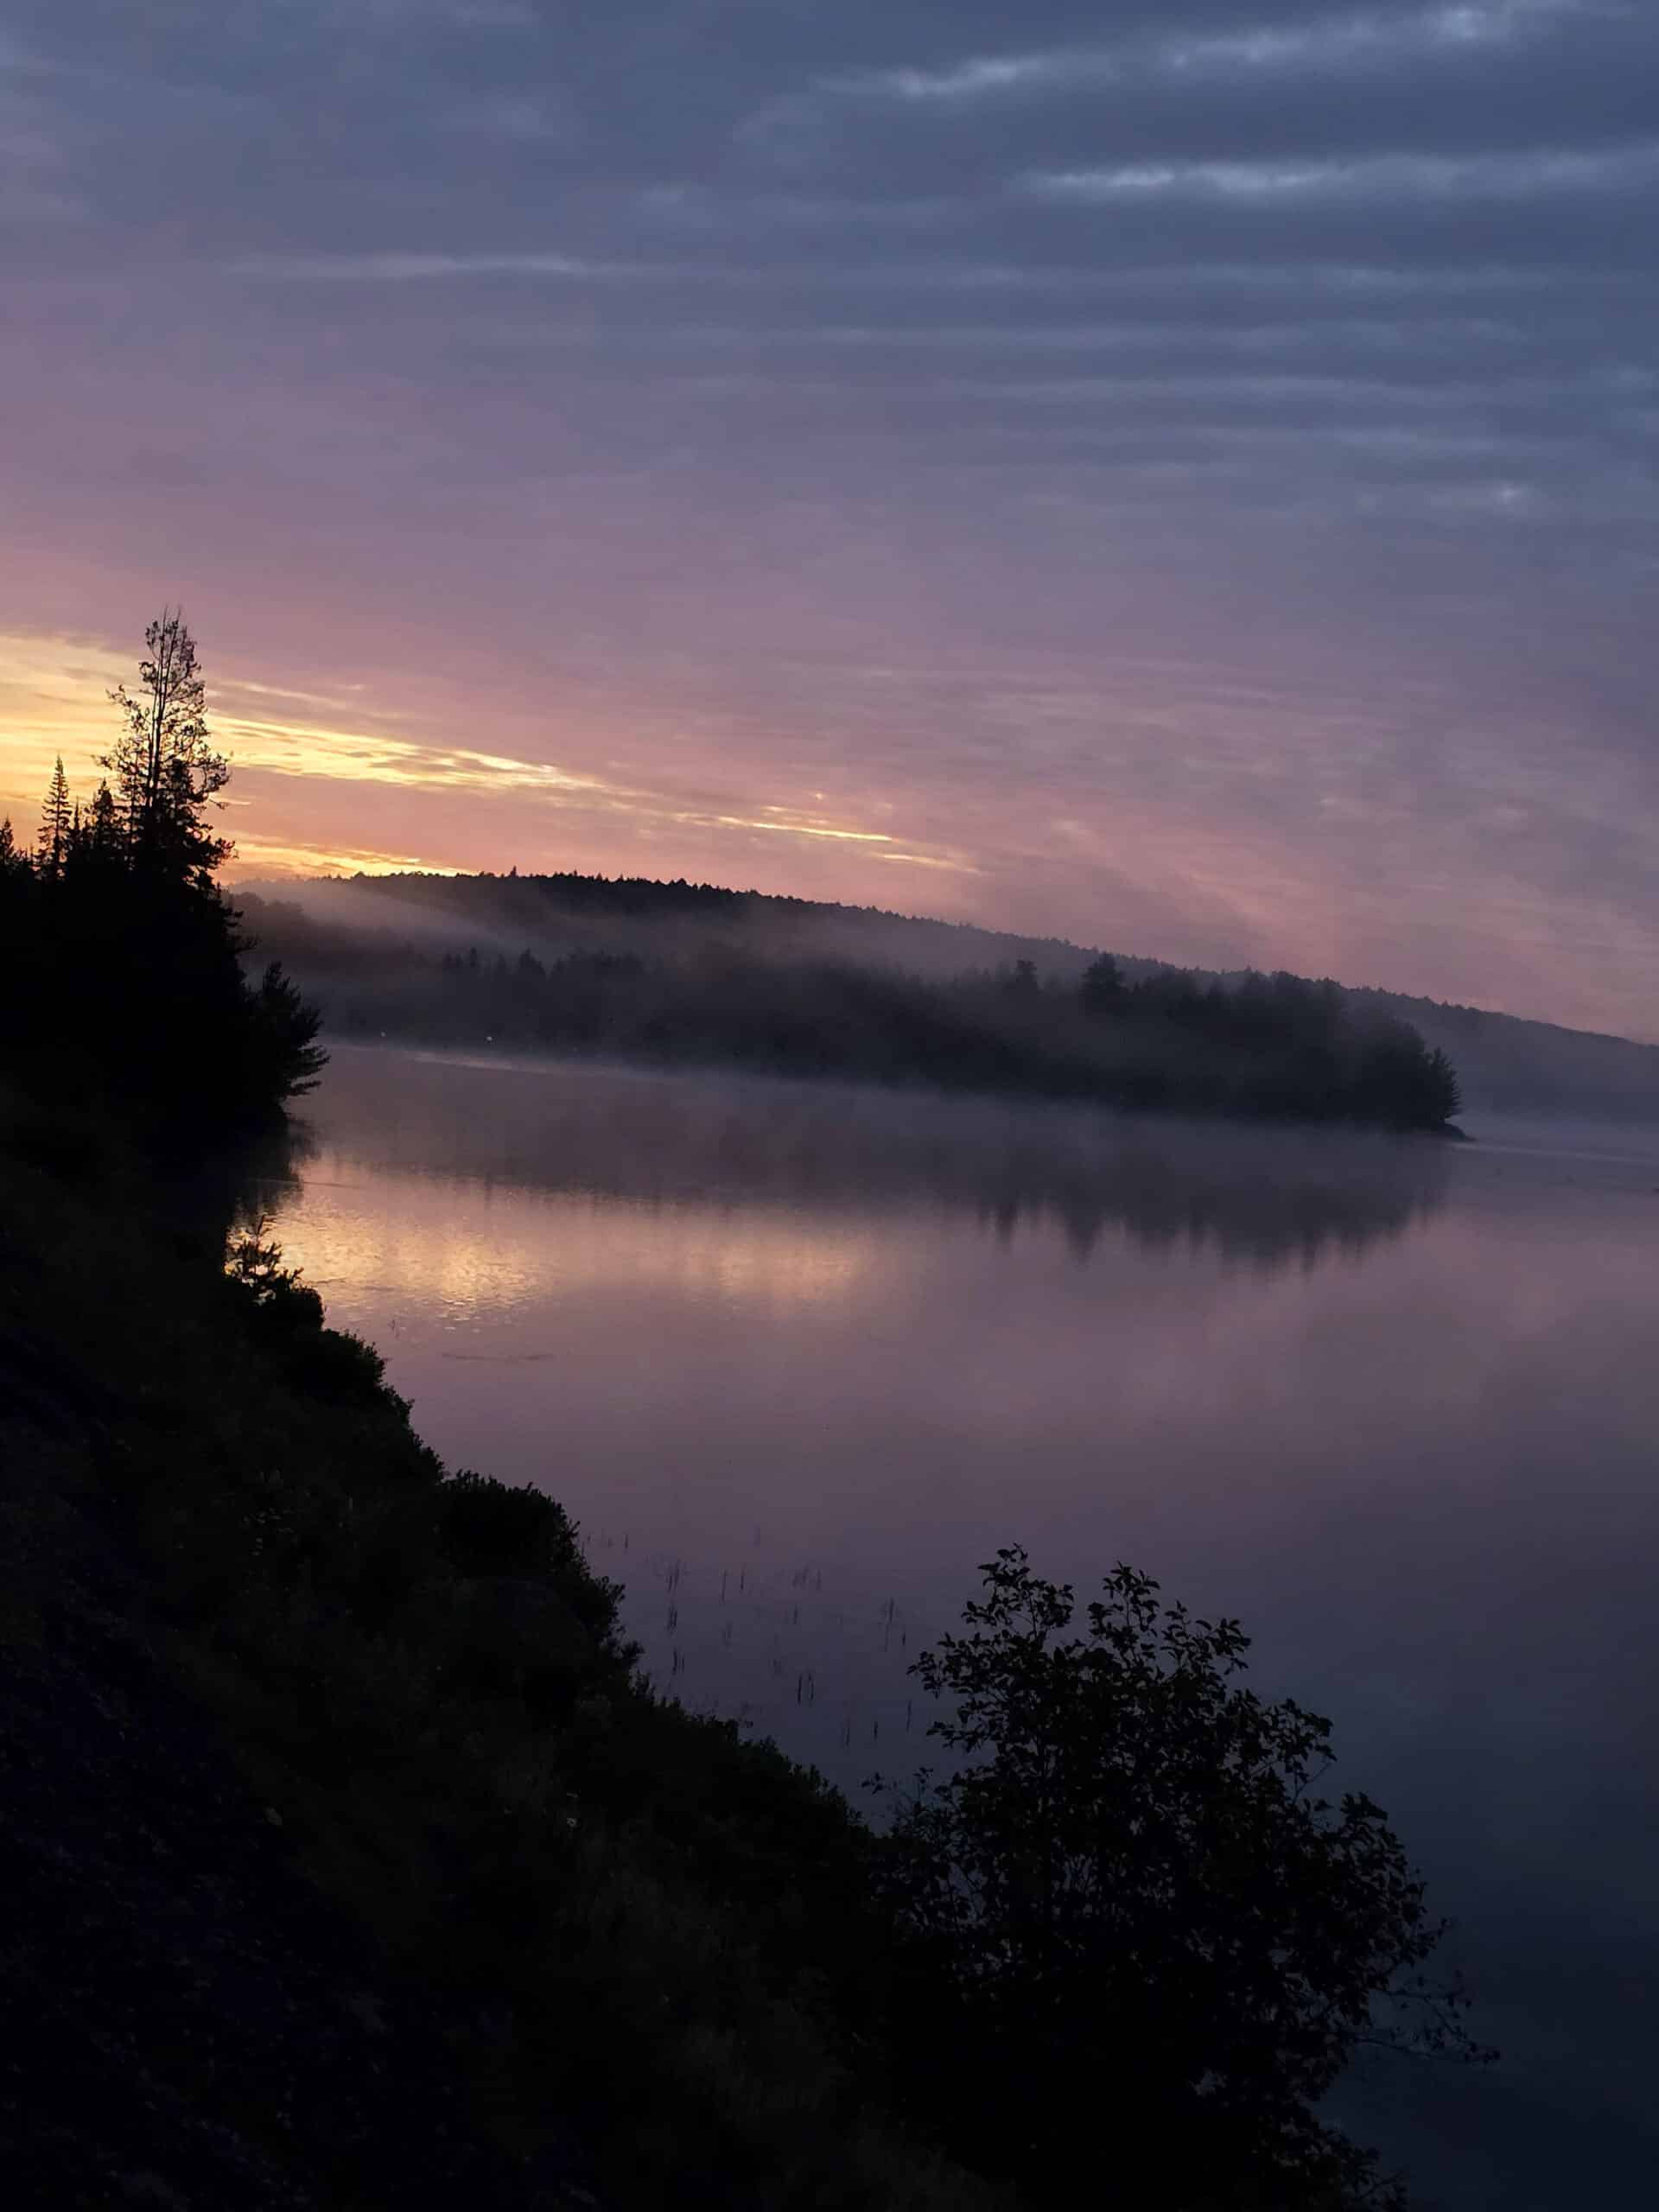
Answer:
x=1168 y=1204
x=1272 y=1197
x=242 y=1185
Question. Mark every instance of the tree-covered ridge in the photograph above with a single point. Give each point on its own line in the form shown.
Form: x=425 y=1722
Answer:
x=1260 y=1047
x=122 y=969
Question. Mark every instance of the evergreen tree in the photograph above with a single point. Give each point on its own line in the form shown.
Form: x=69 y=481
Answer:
x=57 y=821
x=285 y=1058
x=1446 y=1093
x=12 y=863
x=124 y=978
x=167 y=772
x=101 y=837
x=1102 y=985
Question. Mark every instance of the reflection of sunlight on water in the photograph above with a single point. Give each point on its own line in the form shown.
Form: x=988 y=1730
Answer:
x=430 y=1254
x=477 y=1254
x=1269 y=1197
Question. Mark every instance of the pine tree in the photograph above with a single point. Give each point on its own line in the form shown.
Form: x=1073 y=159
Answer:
x=101 y=837
x=1103 y=986
x=57 y=821
x=166 y=774
x=11 y=861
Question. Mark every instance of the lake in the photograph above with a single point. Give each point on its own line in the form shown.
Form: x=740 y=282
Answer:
x=798 y=1358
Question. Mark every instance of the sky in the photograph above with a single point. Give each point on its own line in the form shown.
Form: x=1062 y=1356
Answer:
x=1177 y=475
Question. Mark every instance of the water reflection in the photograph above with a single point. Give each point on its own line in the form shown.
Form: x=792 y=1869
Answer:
x=797 y=1359
x=1267 y=1197
x=216 y=1194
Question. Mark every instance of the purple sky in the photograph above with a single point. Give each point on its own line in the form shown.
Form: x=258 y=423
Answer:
x=1179 y=473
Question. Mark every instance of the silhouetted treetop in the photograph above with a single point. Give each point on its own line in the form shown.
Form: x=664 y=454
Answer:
x=57 y=821
x=124 y=976
x=166 y=769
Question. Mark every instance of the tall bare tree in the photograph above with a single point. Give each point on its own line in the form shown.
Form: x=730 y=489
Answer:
x=166 y=769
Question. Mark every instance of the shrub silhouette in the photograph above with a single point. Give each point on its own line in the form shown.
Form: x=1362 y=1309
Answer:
x=487 y=1527
x=1129 y=1895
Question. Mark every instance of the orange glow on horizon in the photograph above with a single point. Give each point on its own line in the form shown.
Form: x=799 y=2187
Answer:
x=306 y=767
x=269 y=859
x=348 y=777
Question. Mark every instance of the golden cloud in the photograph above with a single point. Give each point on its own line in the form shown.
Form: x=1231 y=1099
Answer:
x=54 y=699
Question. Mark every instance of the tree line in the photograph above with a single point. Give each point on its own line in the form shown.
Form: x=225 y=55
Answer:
x=123 y=975
x=1269 y=1047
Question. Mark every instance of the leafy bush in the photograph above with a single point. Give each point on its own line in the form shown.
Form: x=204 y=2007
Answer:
x=487 y=1528
x=1129 y=1895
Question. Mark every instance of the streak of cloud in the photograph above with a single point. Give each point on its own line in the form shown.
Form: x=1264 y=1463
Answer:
x=834 y=448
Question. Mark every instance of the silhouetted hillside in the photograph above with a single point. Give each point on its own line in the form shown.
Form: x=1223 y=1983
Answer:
x=557 y=915
x=680 y=974
x=1505 y=1062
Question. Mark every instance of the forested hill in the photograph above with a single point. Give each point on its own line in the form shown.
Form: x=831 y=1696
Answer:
x=1504 y=1062
x=568 y=912
x=677 y=974
x=1508 y=1064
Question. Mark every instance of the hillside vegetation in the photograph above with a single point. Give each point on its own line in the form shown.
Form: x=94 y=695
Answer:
x=687 y=973
x=358 y=931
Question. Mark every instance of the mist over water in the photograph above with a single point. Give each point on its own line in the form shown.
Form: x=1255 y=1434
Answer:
x=798 y=1358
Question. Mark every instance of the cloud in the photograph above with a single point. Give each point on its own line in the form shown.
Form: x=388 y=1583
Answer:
x=314 y=750
x=1380 y=177
x=1230 y=429
x=53 y=700
x=1356 y=41
x=262 y=857
x=406 y=268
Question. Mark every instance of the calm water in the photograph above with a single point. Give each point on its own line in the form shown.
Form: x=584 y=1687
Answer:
x=798 y=1358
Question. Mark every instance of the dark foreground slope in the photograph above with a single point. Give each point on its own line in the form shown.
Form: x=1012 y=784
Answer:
x=343 y=1862
x=186 y=2022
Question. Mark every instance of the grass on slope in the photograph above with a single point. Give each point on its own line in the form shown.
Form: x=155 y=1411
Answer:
x=633 y=1921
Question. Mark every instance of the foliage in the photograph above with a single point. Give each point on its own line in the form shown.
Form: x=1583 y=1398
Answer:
x=57 y=821
x=167 y=772
x=1102 y=987
x=485 y=1528
x=1263 y=1047
x=285 y=1058
x=1130 y=1890
x=123 y=969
